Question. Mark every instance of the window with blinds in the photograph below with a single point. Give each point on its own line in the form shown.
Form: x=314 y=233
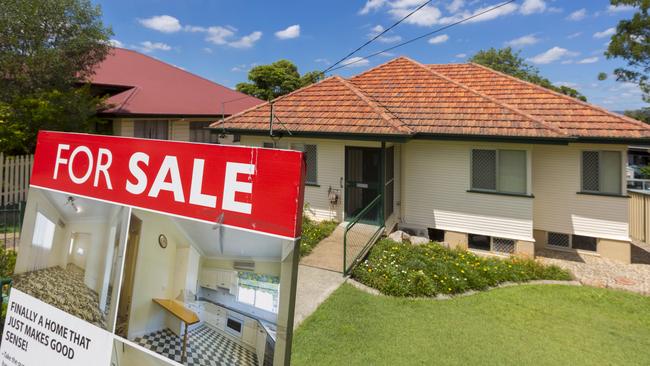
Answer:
x=151 y=129
x=503 y=171
x=602 y=172
x=199 y=132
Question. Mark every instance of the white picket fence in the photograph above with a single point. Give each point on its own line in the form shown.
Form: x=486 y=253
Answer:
x=14 y=178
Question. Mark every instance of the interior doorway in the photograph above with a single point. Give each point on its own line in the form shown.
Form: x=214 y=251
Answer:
x=126 y=292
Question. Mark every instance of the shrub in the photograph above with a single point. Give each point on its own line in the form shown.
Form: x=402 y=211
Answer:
x=313 y=232
x=402 y=269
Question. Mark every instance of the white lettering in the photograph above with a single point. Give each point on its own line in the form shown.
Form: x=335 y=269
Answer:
x=138 y=174
x=59 y=159
x=103 y=167
x=196 y=196
x=169 y=165
x=85 y=177
x=232 y=185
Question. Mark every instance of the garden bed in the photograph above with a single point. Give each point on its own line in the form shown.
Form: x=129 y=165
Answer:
x=313 y=232
x=406 y=270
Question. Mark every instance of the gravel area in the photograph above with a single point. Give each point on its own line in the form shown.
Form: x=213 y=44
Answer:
x=595 y=271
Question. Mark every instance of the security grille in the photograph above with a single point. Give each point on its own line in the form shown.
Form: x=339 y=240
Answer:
x=559 y=240
x=590 y=171
x=484 y=169
x=503 y=245
x=312 y=157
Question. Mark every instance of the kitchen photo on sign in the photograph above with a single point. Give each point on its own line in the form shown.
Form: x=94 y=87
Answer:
x=70 y=254
x=196 y=292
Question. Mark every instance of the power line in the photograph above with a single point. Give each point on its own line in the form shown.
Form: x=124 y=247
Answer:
x=423 y=36
x=376 y=36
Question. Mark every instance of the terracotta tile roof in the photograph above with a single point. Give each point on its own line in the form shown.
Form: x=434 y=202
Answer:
x=148 y=86
x=405 y=98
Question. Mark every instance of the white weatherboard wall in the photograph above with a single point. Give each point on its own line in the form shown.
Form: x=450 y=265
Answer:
x=330 y=172
x=435 y=180
x=557 y=206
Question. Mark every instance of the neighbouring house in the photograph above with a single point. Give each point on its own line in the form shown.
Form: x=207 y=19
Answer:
x=151 y=99
x=460 y=153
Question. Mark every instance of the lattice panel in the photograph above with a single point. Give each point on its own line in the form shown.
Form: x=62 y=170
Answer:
x=484 y=169
x=559 y=240
x=311 y=154
x=502 y=245
x=590 y=169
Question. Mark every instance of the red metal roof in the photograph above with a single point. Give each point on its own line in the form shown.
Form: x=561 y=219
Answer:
x=158 y=88
x=404 y=97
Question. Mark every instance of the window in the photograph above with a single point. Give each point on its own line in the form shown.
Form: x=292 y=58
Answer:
x=436 y=235
x=601 y=172
x=503 y=171
x=260 y=291
x=43 y=232
x=561 y=240
x=151 y=129
x=311 y=157
x=199 y=132
x=488 y=243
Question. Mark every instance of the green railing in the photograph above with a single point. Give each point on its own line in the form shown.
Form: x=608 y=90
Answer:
x=361 y=233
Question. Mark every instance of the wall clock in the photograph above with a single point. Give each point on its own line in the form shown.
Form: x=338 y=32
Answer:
x=162 y=241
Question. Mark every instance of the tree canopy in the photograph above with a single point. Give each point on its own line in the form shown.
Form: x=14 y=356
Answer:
x=276 y=79
x=48 y=49
x=510 y=62
x=631 y=42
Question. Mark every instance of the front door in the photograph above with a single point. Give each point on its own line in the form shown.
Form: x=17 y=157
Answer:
x=362 y=182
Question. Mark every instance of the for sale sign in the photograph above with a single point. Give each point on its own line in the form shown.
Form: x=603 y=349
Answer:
x=146 y=252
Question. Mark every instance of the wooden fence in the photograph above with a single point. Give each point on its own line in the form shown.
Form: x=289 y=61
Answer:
x=640 y=216
x=14 y=178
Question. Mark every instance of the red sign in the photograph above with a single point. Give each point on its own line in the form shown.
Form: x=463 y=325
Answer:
x=245 y=187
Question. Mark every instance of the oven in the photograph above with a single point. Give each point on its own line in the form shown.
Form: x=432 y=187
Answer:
x=234 y=324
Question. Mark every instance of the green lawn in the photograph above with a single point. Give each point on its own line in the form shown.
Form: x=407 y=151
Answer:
x=522 y=325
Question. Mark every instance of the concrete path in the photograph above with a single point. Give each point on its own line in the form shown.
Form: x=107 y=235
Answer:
x=315 y=285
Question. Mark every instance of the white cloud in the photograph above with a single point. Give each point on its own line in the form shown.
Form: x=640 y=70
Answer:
x=620 y=8
x=162 y=23
x=523 y=41
x=439 y=39
x=578 y=15
x=499 y=12
x=574 y=35
x=376 y=30
x=552 y=55
x=243 y=67
x=207 y=50
x=355 y=62
x=246 y=41
x=292 y=31
x=532 y=7
x=116 y=43
x=371 y=5
x=148 y=46
x=218 y=35
x=566 y=83
x=606 y=33
x=425 y=17
x=461 y=55
x=588 y=60
x=455 y=5
x=323 y=61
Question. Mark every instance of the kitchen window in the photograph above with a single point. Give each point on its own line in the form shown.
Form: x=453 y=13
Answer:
x=499 y=171
x=43 y=232
x=260 y=291
x=602 y=172
x=199 y=132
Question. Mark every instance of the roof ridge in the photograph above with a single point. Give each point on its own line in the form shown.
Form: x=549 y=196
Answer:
x=378 y=66
x=564 y=96
x=541 y=122
x=381 y=110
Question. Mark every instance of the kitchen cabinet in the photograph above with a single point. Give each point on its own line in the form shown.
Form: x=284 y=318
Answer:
x=215 y=316
x=213 y=278
x=208 y=278
x=249 y=334
x=260 y=344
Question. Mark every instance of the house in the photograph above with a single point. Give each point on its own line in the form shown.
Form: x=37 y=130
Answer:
x=152 y=99
x=460 y=153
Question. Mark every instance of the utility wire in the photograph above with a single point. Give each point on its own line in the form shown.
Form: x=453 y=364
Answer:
x=376 y=36
x=422 y=36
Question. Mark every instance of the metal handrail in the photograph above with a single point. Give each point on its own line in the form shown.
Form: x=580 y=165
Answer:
x=351 y=224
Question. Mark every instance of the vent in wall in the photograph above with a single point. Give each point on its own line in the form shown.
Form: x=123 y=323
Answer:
x=244 y=265
x=559 y=240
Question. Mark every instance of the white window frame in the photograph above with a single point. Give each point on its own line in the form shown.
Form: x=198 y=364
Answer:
x=275 y=306
x=302 y=147
x=496 y=172
x=40 y=236
x=622 y=182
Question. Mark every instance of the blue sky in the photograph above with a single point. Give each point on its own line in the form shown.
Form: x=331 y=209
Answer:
x=222 y=40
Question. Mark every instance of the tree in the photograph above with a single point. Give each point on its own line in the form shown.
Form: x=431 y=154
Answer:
x=631 y=42
x=276 y=79
x=48 y=49
x=642 y=114
x=511 y=63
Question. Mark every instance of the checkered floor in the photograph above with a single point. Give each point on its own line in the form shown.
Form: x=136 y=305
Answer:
x=205 y=347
